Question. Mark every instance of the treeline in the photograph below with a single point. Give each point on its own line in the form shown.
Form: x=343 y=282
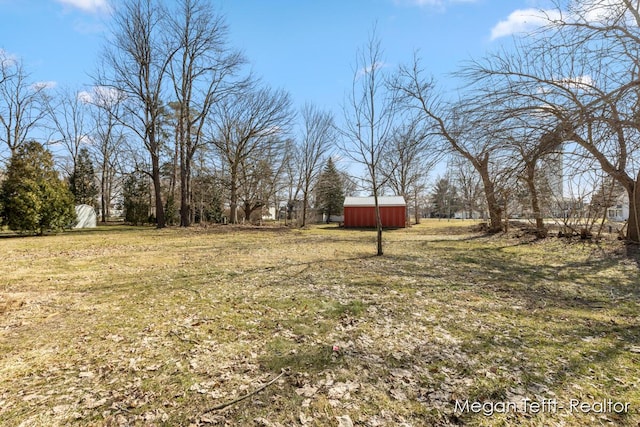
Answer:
x=176 y=131
x=552 y=120
x=548 y=125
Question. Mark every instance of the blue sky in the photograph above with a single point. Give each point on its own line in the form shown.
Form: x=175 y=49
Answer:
x=305 y=46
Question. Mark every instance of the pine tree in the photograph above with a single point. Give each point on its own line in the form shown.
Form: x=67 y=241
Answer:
x=208 y=196
x=82 y=181
x=330 y=191
x=444 y=199
x=135 y=192
x=32 y=198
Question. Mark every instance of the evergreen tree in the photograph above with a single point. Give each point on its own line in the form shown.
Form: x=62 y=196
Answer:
x=82 y=181
x=330 y=191
x=171 y=210
x=135 y=192
x=32 y=198
x=444 y=199
x=208 y=198
x=606 y=195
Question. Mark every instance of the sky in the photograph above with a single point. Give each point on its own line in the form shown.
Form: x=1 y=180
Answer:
x=307 y=47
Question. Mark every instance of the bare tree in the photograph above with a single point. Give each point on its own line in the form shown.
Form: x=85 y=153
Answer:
x=208 y=188
x=528 y=154
x=467 y=180
x=245 y=124
x=136 y=64
x=582 y=178
x=369 y=114
x=200 y=73
x=7 y=69
x=261 y=177
x=408 y=160
x=605 y=196
x=68 y=114
x=292 y=185
x=582 y=69
x=317 y=140
x=532 y=151
x=604 y=119
x=460 y=126
x=21 y=102
x=108 y=141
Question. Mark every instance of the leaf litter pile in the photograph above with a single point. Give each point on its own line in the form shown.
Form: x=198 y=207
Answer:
x=234 y=326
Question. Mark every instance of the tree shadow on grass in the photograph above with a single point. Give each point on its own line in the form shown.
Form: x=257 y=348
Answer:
x=590 y=319
x=632 y=252
x=121 y=228
x=574 y=350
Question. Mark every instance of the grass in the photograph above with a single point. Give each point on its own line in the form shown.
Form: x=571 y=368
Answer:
x=137 y=326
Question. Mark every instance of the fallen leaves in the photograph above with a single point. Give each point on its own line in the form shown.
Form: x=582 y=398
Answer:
x=342 y=390
x=307 y=391
x=344 y=421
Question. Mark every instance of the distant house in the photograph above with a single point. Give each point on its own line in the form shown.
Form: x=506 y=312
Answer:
x=620 y=210
x=270 y=213
x=360 y=212
x=467 y=215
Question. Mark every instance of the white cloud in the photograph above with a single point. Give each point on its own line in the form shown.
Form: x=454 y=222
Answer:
x=272 y=130
x=91 y=6
x=85 y=97
x=86 y=139
x=523 y=20
x=606 y=12
x=7 y=59
x=584 y=82
x=600 y=11
x=580 y=82
x=101 y=95
x=366 y=70
x=44 y=85
x=591 y=11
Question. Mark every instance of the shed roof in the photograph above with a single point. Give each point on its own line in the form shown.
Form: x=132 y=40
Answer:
x=369 y=201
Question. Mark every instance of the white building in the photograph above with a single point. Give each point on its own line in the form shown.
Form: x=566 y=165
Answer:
x=620 y=210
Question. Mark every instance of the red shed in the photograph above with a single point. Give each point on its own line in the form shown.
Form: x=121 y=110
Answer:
x=360 y=211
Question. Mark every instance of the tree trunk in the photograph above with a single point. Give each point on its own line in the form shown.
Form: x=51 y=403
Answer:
x=304 y=209
x=157 y=189
x=233 y=197
x=407 y=214
x=633 y=224
x=110 y=179
x=495 y=211
x=247 y=213
x=378 y=224
x=541 y=230
x=103 y=193
x=185 y=190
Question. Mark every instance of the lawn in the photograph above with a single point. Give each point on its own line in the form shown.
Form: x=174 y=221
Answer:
x=137 y=326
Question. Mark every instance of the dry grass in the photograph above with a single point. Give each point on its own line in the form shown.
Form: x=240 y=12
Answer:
x=136 y=326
